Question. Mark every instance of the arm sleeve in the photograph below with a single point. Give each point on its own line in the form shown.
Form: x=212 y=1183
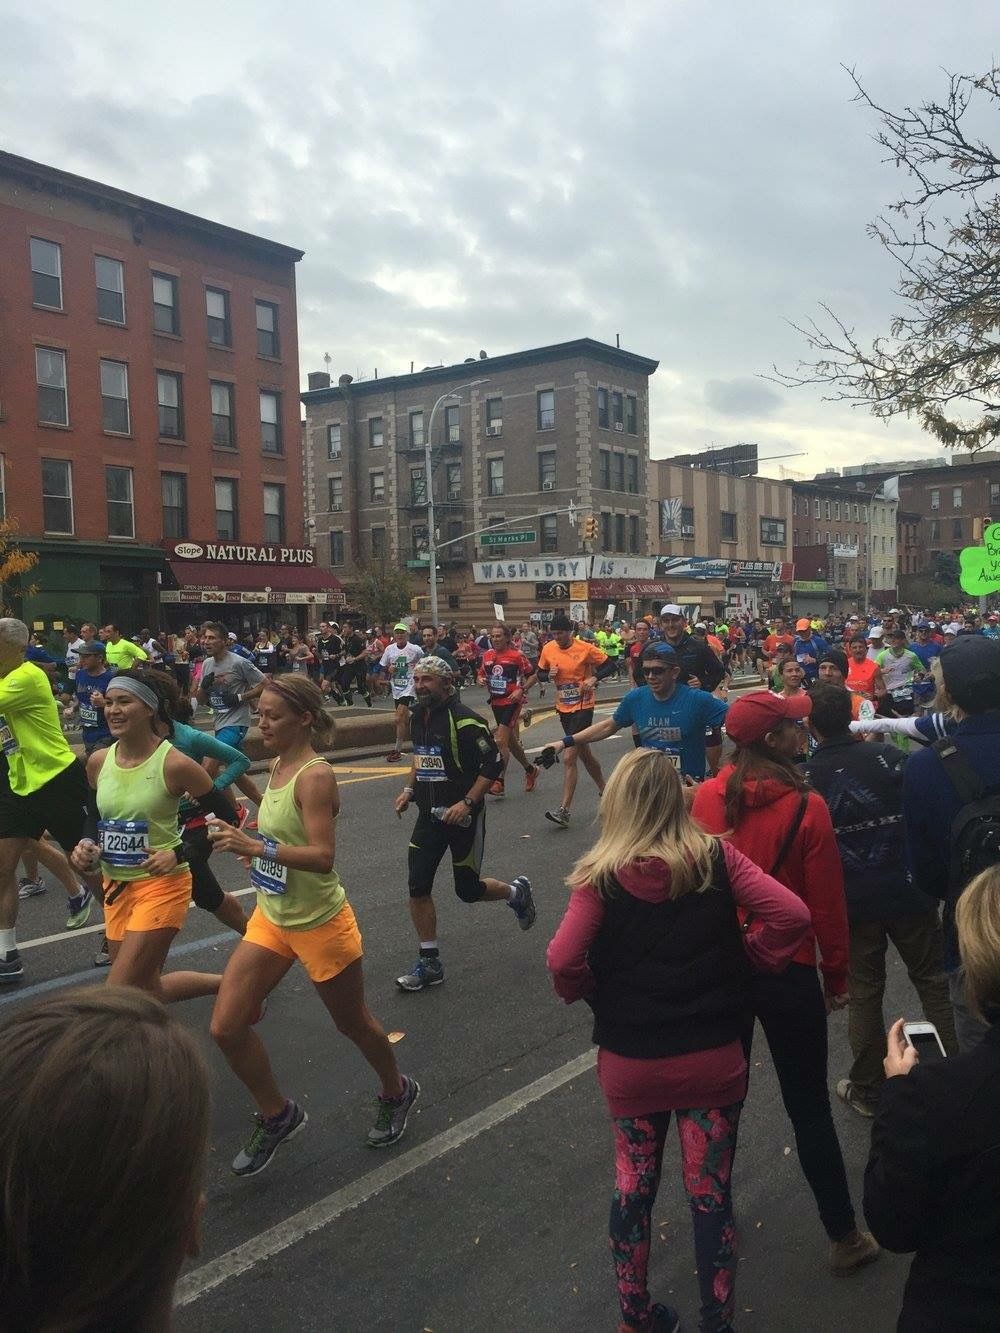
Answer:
x=783 y=916
x=823 y=880
x=898 y=726
x=235 y=760
x=898 y=1197
x=566 y=956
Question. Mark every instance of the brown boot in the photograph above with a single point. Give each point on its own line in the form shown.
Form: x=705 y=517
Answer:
x=854 y=1251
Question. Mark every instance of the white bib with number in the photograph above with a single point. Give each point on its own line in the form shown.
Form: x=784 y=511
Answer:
x=124 y=842
x=220 y=702
x=569 y=693
x=89 y=715
x=268 y=876
x=8 y=741
x=430 y=763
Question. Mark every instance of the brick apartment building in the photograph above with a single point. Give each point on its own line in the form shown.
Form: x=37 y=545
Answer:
x=149 y=415
x=527 y=434
x=844 y=542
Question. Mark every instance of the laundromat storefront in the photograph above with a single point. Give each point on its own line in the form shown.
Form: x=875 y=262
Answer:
x=247 y=587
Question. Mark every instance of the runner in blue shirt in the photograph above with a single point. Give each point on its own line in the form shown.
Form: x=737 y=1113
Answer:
x=667 y=716
x=93 y=676
x=808 y=648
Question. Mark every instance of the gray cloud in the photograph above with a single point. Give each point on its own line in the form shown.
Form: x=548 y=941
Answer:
x=742 y=398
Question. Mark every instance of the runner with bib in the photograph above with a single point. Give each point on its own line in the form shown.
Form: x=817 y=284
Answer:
x=303 y=915
x=397 y=662
x=508 y=675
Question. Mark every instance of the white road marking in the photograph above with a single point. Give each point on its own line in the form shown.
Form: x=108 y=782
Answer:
x=63 y=935
x=320 y=1214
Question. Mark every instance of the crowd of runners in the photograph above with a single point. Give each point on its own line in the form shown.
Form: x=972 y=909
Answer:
x=756 y=856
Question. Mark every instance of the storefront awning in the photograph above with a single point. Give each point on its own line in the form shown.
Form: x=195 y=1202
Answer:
x=198 y=581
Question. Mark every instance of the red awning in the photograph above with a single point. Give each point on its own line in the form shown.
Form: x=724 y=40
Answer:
x=217 y=575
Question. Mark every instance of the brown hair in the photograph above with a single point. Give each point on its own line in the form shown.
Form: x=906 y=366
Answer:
x=977 y=923
x=752 y=762
x=302 y=696
x=164 y=687
x=103 y=1134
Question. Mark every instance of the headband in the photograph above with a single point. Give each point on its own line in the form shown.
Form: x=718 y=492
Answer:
x=142 y=692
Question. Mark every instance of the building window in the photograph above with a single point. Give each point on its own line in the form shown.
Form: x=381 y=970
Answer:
x=418 y=541
x=826 y=508
x=772 y=532
x=631 y=414
x=227 y=519
x=114 y=397
x=494 y=416
x=379 y=547
x=493 y=521
x=223 y=435
x=453 y=480
x=836 y=510
x=418 y=486
x=57 y=496
x=995 y=494
x=956 y=497
x=457 y=550
x=604 y=460
x=619 y=462
x=110 y=277
x=274 y=513
x=956 y=530
x=173 y=499
x=632 y=471
x=376 y=488
x=605 y=532
x=619 y=532
x=494 y=473
x=603 y=414
x=795 y=537
x=3 y=488
x=633 y=534
x=687 y=521
x=416 y=430
x=118 y=492
x=335 y=494
x=46 y=273
x=50 y=374
x=550 y=534
x=333 y=441
x=864 y=513
x=547 y=470
x=169 y=405
x=217 y=312
x=617 y=410
x=546 y=402
x=816 y=513
x=336 y=548
x=270 y=422
x=166 y=312
x=935 y=499
x=453 y=423
x=727 y=526
x=376 y=433
x=267 y=329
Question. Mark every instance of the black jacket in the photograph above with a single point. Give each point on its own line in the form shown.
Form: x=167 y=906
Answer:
x=932 y=1185
x=862 y=784
x=697 y=659
x=671 y=977
x=452 y=746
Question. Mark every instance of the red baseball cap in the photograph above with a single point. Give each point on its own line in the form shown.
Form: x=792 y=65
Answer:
x=750 y=718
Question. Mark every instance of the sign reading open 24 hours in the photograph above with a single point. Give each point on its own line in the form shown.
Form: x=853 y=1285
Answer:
x=243 y=553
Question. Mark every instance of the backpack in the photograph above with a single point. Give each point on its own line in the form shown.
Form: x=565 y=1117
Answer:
x=975 y=830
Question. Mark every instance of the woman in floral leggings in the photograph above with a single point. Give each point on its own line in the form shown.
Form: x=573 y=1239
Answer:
x=651 y=941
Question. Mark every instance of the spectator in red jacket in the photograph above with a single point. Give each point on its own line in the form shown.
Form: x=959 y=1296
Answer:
x=786 y=830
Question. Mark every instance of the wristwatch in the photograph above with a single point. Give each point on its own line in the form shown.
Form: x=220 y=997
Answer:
x=466 y=801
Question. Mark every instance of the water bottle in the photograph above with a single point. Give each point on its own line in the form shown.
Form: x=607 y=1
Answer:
x=93 y=852
x=439 y=811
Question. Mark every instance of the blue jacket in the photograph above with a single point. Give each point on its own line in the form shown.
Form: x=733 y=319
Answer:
x=815 y=646
x=930 y=804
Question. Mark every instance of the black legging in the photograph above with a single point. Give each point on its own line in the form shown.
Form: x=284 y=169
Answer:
x=789 y=1007
x=206 y=891
x=353 y=676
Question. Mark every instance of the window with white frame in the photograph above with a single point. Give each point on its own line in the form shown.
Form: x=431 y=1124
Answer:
x=118 y=494
x=50 y=374
x=335 y=493
x=333 y=440
x=416 y=430
x=494 y=476
x=223 y=433
x=772 y=532
x=376 y=433
x=166 y=309
x=114 y=397
x=274 y=513
x=550 y=533
x=169 y=405
x=57 y=496
x=270 y=422
x=46 y=273
x=376 y=488
x=267 y=329
x=227 y=519
x=453 y=423
x=217 y=315
x=546 y=407
x=109 y=274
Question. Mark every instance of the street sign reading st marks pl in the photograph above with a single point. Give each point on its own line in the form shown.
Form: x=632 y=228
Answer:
x=506 y=538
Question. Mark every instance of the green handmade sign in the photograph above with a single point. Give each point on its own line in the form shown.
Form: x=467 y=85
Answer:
x=979 y=566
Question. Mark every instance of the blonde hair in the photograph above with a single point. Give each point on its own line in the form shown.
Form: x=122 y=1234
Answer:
x=303 y=696
x=942 y=701
x=643 y=815
x=977 y=921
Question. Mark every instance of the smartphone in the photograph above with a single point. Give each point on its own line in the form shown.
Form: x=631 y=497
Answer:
x=924 y=1039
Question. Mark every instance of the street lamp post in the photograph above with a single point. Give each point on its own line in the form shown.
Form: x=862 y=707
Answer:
x=429 y=484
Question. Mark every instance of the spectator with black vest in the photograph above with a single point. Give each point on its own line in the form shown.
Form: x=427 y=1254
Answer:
x=862 y=785
x=943 y=779
x=651 y=941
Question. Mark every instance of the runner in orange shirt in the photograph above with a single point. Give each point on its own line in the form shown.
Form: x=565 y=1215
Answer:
x=575 y=666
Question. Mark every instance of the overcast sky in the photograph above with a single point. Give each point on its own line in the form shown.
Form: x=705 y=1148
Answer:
x=465 y=176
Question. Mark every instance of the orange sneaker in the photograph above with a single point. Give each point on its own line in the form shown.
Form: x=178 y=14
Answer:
x=530 y=778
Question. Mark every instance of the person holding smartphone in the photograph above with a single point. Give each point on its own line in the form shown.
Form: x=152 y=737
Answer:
x=932 y=1183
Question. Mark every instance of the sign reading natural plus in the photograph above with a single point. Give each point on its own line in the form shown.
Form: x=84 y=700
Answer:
x=241 y=553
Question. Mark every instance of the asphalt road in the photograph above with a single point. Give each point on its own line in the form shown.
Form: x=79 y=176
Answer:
x=492 y=1212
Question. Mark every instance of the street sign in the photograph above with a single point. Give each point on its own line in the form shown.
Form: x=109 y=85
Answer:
x=507 y=538
x=440 y=579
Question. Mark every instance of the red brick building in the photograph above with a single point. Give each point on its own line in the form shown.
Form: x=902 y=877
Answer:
x=149 y=396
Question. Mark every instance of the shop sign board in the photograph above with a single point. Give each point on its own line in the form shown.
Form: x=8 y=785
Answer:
x=242 y=553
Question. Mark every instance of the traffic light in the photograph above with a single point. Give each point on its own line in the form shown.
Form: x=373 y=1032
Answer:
x=588 y=527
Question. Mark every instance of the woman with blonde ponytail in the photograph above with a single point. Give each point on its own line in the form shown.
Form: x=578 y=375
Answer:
x=651 y=940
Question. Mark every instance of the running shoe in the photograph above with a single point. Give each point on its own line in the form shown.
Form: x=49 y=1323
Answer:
x=852 y=1096
x=662 y=1319
x=390 y=1122
x=853 y=1252
x=530 y=777
x=11 y=968
x=79 y=909
x=393 y=757
x=559 y=816
x=526 y=717
x=263 y=1142
x=496 y=788
x=523 y=902
x=426 y=972
x=103 y=958
x=368 y=700
x=29 y=888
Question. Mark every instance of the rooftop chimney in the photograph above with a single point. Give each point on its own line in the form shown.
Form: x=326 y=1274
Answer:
x=319 y=379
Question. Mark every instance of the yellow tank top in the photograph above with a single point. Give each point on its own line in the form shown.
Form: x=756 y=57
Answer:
x=292 y=899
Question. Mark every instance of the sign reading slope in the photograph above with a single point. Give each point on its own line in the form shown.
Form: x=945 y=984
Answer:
x=980 y=565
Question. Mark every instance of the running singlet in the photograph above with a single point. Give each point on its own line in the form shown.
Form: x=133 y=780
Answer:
x=291 y=899
x=676 y=725
x=399 y=664
x=504 y=672
x=91 y=716
x=861 y=677
x=569 y=668
x=898 y=672
x=31 y=735
x=138 y=814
